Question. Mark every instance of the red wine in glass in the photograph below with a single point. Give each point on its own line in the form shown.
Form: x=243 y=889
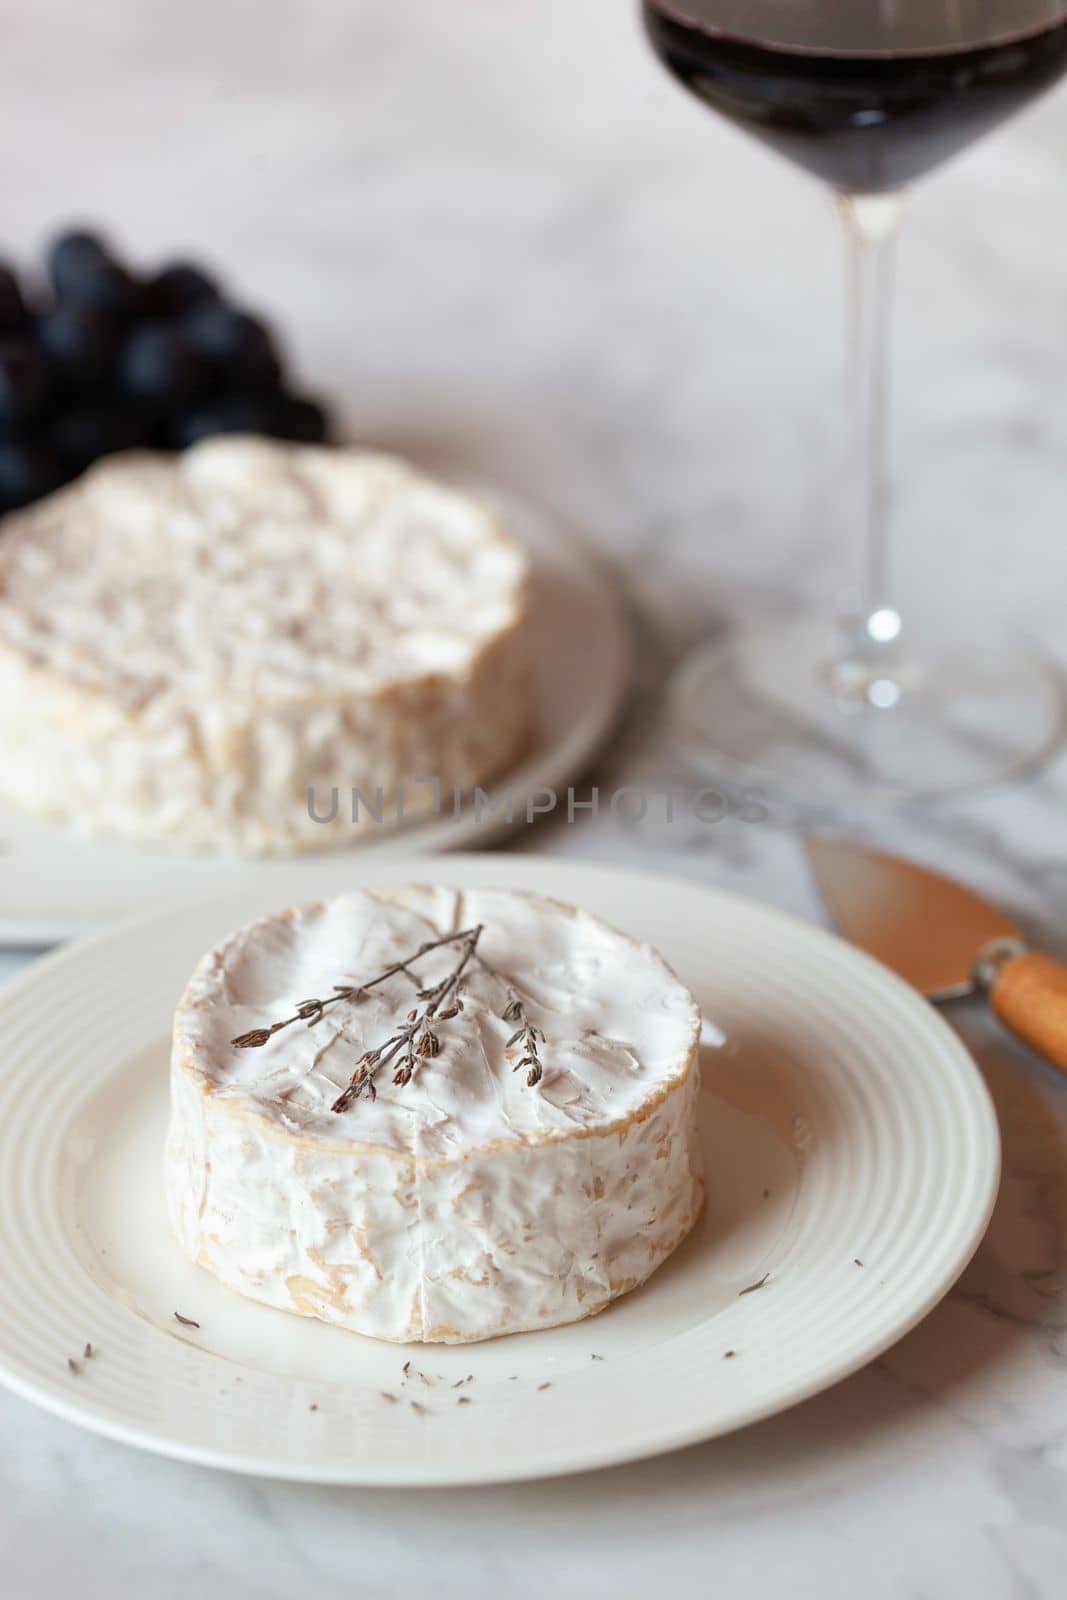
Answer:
x=865 y=109
x=867 y=95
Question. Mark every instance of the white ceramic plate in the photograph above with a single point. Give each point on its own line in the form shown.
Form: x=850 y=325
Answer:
x=852 y=1160
x=55 y=884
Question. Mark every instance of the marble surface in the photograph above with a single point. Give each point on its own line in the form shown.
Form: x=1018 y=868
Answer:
x=512 y=249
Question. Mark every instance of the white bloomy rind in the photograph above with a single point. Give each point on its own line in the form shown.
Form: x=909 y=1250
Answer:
x=464 y=1204
x=189 y=645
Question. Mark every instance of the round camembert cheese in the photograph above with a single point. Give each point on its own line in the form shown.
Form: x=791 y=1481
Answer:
x=221 y=647
x=463 y=1202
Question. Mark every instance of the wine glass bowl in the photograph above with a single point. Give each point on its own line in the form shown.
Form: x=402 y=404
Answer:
x=866 y=95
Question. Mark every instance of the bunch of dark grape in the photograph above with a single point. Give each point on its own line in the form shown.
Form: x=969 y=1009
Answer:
x=108 y=360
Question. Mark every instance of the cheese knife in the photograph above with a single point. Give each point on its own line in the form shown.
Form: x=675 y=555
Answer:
x=944 y=939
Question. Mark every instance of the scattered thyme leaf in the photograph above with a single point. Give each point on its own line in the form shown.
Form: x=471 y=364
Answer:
x=313 y=1406
x=420 y=1411
x=387 y=1396
x=752 y=1287
x=186 y=1322
x=596 y=1358
x=406 y=1368
x=857 y=1261
x=541 y=1386
x=728 y=1355
x=88 y=1352
x=73 y=1365
x=463 y=1400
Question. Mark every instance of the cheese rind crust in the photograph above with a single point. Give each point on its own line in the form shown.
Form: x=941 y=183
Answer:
x=191 y=646
x=463 y=1205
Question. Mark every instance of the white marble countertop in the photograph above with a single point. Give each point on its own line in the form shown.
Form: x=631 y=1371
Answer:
x=512 y=249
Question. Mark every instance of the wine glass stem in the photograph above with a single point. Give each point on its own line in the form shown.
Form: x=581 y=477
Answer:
x=870 y=624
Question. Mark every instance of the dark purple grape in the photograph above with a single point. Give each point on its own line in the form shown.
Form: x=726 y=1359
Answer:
x=239 y=347
x=234 y=413
x=24 y=382
x=179 y=287
x=158 y=365
x=299 y=418
x=83 y=272
x=79 y=344
x=80 y=437
x=28 y=470
x=12 y=305
x=74 y=255
x=111 y=290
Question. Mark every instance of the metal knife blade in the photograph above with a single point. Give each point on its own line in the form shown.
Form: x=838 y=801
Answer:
x=925 y=926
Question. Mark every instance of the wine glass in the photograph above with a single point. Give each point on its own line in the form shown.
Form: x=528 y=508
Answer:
x=868 y=95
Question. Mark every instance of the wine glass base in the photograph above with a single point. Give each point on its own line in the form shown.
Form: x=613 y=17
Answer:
x=763 y=707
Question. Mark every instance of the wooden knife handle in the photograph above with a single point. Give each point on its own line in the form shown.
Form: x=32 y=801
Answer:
x=1028 y=992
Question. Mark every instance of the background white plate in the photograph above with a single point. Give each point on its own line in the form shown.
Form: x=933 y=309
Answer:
x=844 y=1124
x=55 y=884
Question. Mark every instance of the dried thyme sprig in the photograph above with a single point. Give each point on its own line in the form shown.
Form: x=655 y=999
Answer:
x=515 y=1011
x=312 y=1011
x=417 y=1037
